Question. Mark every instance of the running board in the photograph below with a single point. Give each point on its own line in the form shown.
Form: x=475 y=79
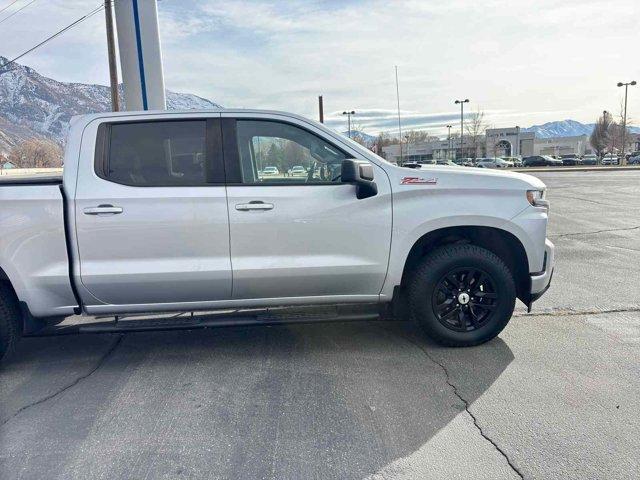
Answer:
x=196 y=322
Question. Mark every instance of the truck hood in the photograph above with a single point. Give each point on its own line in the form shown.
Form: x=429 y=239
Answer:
x=462 y=177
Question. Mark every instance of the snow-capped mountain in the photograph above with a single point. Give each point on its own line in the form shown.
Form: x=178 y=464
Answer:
x=365 y=137
x=32 y=105
x=565 y=128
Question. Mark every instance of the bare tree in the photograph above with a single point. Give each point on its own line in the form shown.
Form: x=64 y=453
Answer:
x=418 y=136
x=382 y=140
x=36 y=153
x=614 y=134
x=475 y=132
x=600 y=136
x=624 y=134
x=359 y=135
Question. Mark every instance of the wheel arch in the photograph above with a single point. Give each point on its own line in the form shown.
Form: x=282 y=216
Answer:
x=501 y=242
x=26 y=322
x=5 y=280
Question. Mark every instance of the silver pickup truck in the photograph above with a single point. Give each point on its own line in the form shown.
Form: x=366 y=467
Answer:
x=179 y=211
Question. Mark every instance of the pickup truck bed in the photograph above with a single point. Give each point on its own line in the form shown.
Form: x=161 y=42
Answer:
x=33 y=243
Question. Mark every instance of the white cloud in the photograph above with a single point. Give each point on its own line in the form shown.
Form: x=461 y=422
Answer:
x=524 y=62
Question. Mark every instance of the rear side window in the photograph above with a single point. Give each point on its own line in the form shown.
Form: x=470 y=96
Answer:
x=162 y=153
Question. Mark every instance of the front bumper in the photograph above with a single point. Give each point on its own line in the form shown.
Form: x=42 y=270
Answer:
x=541 y=281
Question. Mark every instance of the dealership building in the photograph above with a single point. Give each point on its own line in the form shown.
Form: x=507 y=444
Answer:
x=497 y=142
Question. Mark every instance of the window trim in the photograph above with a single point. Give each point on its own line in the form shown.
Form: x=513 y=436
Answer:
x=231 y=155
x=214 y=164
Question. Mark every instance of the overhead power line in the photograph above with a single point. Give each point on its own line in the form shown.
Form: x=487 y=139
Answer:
x=9 y=6
x=17 y=11
x=4 y=68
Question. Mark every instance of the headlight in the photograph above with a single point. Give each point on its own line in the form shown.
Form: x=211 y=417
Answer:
x=536 y=198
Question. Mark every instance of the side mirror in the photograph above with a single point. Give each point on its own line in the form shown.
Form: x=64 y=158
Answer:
x=360 y=174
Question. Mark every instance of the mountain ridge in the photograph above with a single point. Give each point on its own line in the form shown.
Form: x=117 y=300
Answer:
x=565 y=128
x=32 y=105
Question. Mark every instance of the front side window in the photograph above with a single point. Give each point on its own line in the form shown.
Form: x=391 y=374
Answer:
x=161 y=153
x=278 y=153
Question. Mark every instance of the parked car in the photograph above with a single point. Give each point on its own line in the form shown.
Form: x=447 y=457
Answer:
x=491 y=163
x=635 y=160
x=412 y=165
x=446 y=162
x=570 y=160
x=590 y=159
x=610 y=159
x=541 y=161
x=99 y=240
x=464 y=162
x=513 y=161
x=509 y=163
x=297 y=171
x=271 y=171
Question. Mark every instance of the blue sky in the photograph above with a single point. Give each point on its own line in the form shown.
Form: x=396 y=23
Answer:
x=522 y=62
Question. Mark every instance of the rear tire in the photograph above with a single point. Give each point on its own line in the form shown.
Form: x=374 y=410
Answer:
x=462 y=295
x=10 y=331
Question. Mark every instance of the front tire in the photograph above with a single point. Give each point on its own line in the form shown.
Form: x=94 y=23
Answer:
x=9 y=321
x=462 y=295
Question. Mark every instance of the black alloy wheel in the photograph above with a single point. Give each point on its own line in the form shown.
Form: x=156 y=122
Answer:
x=465 y=299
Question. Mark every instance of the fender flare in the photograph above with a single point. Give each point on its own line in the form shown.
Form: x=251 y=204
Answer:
x=400 y=250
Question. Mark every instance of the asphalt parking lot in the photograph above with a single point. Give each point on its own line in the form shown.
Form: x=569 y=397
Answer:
x=557 y=395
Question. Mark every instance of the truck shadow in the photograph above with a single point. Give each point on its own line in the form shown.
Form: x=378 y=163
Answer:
x=299 y=401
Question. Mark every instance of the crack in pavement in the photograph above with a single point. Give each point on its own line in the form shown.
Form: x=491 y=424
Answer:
x=98 y=365
x=571 y=197
x=566 y=312
x=466 y=407
x=629 y=249
x=562 y=235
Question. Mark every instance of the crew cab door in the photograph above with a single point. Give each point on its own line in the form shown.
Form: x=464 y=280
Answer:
x=151 y=214
x=299 y=235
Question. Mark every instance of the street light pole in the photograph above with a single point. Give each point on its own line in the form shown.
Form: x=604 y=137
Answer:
x=449 y=142
x=348 y=114
x=517 y=140
x=399 y=122
x=624 y=120
x=462 y=102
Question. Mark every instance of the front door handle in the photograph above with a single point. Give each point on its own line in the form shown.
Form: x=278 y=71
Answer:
x=103 y=210
x=254 y=205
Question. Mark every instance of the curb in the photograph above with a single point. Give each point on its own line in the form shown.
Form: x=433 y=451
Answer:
x=575 y=169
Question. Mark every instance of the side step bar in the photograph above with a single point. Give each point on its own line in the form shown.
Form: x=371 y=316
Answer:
x=202 y=321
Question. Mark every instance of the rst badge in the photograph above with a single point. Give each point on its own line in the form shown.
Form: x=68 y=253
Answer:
x=418 y=181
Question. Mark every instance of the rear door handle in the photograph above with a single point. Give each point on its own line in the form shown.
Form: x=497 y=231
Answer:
x=255 y=205
x=103 y=210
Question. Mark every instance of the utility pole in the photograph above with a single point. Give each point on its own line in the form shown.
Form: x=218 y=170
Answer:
x=111 y=51
x=140 y=54
x=399 y=122
x=517 y=141
x=462 y=102
x=348 y=114
x=624 y=120
x=449 y=142
x=321 y=109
